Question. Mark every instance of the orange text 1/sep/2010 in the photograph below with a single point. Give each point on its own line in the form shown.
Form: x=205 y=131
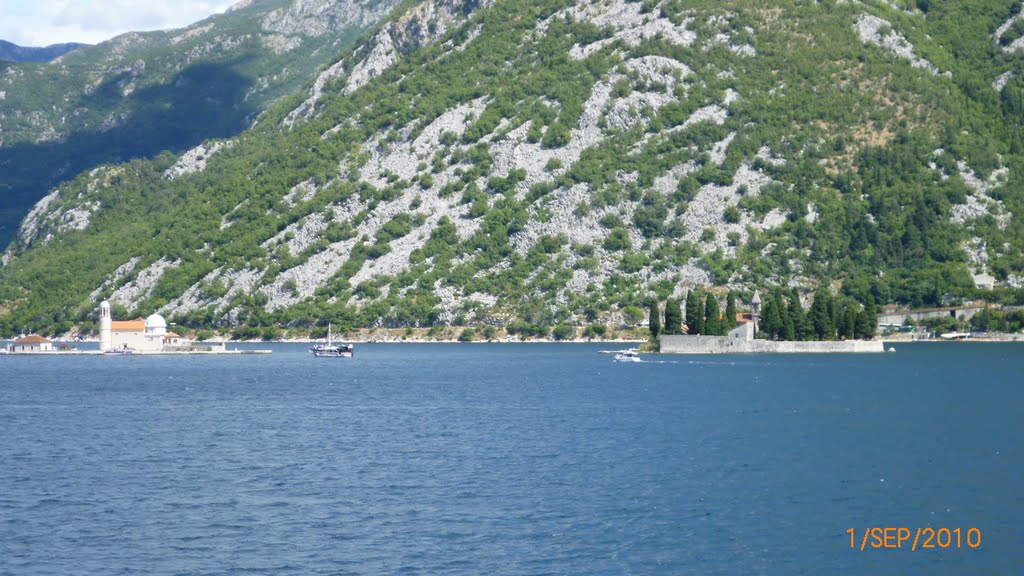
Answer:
x=896 y=538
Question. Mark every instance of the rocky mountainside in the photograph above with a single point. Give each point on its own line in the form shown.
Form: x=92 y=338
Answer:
x=14 y=53
x=143 y=93
x=544 y=162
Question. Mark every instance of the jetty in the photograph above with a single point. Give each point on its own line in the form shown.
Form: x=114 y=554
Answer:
x=741 y=341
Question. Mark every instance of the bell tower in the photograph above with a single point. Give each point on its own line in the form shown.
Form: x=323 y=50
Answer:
x=104 y=326
x=755 y=308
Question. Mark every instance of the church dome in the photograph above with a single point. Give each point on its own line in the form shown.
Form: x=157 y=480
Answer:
x=156 y=325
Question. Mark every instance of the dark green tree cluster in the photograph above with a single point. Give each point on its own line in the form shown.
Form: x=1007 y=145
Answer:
x=998 y=321
x=829 y=317
x=702 y=316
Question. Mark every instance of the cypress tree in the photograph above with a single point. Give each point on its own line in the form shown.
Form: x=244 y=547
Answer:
x=788 y=327
x=872 y=312
x=778 y=303
x=788 y=331
x=772 y=319
x=712 y=324
x=796 y=313
x=654 y=319
x=833 y=314
x=842 y=321
x=730 y=312
x=673 y=318
x=698 y=318
x=820 y=316
x=851 y=321
x=867 y=320
x=691 y=312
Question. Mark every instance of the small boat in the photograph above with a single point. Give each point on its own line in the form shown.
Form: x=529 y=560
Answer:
x=120 y=351
x=332 y=350
x=627 y=356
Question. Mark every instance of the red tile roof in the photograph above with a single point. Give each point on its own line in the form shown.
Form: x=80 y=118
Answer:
x=33 y=339
x=137 y=325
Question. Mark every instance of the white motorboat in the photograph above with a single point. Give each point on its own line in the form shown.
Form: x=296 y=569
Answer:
x=627 y=356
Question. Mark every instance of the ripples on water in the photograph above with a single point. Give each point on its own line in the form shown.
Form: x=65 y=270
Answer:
x=507 y=459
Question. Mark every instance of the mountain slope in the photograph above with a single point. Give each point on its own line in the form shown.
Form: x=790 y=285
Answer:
x=142 y=93
x=551 y=161
x=14 y=53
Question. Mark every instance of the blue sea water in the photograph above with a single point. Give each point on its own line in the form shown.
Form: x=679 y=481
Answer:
x=509 y=459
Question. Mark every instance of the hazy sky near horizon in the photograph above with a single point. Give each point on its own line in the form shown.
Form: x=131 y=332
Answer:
x=45 y=22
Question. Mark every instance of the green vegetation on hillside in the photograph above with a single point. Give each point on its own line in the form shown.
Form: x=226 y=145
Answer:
x=857 y=157
x=139 y=95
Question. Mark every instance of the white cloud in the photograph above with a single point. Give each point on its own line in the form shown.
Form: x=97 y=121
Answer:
x=44 y=22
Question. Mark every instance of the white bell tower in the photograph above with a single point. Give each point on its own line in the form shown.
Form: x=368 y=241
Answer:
x=104 y=326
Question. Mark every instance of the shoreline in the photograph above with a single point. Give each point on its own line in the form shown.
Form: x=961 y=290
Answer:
x=398 y=336
x=375 y=341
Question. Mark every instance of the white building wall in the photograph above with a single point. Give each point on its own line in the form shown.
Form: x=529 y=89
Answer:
x=137 y=340
x=32 y=348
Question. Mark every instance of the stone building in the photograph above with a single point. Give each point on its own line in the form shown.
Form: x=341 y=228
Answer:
x=31 y=343
x=149 y=335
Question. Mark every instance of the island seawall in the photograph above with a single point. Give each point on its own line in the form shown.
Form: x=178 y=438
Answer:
x=741 y=341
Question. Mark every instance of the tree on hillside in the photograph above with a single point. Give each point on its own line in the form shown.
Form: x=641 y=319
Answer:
x=788 y=326
x=772 y=323
x=673 y=317
x=691 y=312
x=833 y=313
x=634 y=314
x=712 y=322
x=796 y=313
x=729 y=322
x=846 y=320
x=867 y=320
x=698 y=322
x=820 y=316
x=785 y=328
x=841 y=321
x=654 y=319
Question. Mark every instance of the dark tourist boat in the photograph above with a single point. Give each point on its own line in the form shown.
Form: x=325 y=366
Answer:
x=332 y=350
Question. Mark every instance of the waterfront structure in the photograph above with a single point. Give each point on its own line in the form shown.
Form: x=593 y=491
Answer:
x=755 y=310
x=31 y=344
x=741 y=341
x=105 y=326
x=149 y=335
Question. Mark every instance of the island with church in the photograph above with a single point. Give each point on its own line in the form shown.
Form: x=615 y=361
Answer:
x=128 y=337
x=742 y=340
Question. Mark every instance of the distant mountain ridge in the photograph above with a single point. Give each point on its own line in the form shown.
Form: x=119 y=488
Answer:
x=14 y=53
x=139 y=94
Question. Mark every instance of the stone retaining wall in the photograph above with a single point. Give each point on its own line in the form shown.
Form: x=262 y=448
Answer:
x=731 y=345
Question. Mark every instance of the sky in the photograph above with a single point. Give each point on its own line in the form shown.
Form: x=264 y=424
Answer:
x=45 y=22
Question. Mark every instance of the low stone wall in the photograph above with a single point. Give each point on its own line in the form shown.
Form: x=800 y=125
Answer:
x=730 y=345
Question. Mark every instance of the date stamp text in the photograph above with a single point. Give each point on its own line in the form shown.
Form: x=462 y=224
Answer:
x=898 y=538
